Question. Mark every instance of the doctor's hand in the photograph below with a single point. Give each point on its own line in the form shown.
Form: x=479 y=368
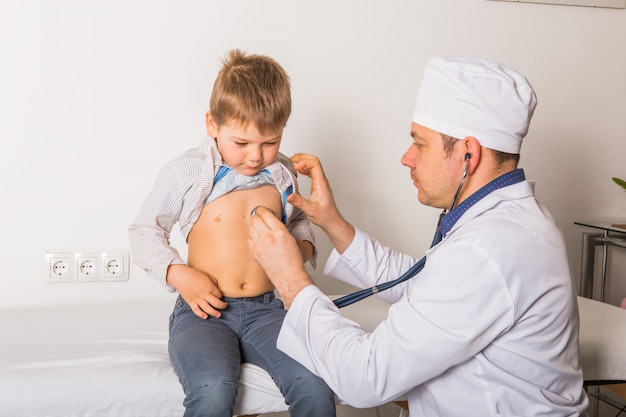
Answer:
x=278 y=253
x=320 y=207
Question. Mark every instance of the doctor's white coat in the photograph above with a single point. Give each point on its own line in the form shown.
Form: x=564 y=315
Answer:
x=488 y=328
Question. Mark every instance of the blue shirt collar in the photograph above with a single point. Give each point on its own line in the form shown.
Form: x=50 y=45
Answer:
x=510 y=178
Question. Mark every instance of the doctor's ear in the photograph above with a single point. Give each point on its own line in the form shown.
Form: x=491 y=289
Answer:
x=472 y=152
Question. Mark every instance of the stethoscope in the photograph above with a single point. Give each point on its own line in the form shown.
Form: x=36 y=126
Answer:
x=346 y=300
x=412 y=271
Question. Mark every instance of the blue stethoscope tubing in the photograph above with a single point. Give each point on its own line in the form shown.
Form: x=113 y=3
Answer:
x=352 y=298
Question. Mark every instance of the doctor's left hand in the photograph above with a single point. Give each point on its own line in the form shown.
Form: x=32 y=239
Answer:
x=278 y=253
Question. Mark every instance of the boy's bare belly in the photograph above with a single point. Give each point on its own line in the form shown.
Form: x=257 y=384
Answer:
x=218 y=242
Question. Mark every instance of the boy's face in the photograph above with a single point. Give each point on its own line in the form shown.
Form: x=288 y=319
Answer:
x=244 y=148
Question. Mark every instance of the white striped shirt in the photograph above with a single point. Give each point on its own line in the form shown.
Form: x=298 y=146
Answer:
x=178 y=195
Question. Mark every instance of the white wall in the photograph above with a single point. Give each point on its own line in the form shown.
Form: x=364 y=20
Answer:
x=96 y=96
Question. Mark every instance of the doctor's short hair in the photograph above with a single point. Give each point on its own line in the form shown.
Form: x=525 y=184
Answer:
x=251 y=89
x=501 y=157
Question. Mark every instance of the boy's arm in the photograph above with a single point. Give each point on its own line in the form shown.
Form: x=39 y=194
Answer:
x=152 y=251
x=300 y=227
x=149 y=234
x=298 y=223
x=307 y=249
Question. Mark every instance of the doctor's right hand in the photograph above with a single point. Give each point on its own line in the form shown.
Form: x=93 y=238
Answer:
x=320 y=207
x=277 y=251
x=198 y=289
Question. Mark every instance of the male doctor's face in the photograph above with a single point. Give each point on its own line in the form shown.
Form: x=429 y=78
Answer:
x=433 y=171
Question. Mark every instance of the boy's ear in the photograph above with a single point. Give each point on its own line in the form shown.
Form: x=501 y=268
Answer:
x=211 y=125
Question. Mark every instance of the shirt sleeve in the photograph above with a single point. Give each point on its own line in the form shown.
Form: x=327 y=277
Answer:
x=299 y=226
x=367 y=263
x=298 y=223
x=150 y=232
x=441 y=322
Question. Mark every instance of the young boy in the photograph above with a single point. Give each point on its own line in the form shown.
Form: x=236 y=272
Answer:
x=226 y=312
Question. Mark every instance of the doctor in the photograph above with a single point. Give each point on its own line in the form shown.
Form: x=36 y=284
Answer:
x=489 y=327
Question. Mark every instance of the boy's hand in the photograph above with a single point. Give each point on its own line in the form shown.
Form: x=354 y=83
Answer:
x=197 y=289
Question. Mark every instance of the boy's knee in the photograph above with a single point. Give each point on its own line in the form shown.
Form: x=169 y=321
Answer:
x=309 y=396
x=213 y=399
x=309 y=385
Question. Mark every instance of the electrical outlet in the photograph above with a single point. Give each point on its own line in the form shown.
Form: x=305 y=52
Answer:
x=86 y=266
x=115 y=266
x=59 y=267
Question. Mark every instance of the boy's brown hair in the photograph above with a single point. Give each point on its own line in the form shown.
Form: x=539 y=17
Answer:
x=251 y=89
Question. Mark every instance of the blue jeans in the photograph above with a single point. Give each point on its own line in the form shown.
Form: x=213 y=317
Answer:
x=207 y=355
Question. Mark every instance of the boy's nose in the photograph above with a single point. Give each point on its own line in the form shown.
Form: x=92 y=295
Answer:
x=255 y=155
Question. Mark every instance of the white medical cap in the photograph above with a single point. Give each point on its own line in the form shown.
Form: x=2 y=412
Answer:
x=464 y=96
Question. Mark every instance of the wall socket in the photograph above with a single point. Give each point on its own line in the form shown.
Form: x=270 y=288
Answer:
x=86 y=266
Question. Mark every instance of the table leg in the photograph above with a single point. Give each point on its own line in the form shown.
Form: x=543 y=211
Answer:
x=590 y=242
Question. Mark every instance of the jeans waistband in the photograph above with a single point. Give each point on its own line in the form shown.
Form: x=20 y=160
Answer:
x=263 y=298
